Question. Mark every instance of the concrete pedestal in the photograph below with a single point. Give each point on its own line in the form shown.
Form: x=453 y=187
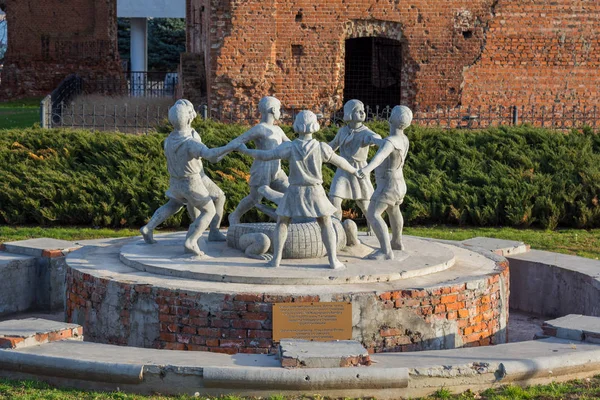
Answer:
x=123 y=292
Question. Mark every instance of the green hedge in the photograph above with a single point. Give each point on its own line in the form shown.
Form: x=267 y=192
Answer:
x=498 y=177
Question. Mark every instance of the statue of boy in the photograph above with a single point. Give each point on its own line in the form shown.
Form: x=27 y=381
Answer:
x=305 y=197
x=391 y=187
x=266 y=136
x=353 y=140
x=184 y=152
x=216 y=194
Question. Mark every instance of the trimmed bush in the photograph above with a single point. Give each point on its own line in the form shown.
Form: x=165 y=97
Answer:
x=520 y=176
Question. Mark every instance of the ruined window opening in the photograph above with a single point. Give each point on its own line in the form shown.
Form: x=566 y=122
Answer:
x=299 y=16
x=467 y=34
x=373 y=71
x=297 y=50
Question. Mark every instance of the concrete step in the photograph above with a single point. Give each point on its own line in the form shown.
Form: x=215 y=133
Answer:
x=499 y=246
x=42 y=247
x=17 y=334
x=17 y=277
x=574 y=327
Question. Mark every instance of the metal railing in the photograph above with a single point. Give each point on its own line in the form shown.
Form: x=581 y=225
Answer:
x=142 y=119
x=117 y=118
x=62 y=108
x=553 y=117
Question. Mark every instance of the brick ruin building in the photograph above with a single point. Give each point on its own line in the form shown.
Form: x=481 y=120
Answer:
x=422 y=53
x=50 y=39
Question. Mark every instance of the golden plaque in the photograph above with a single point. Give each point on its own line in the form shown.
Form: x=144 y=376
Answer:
x=312 y=321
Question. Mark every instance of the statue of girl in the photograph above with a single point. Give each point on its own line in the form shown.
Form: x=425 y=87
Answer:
x=391 y=187
x=353 y=140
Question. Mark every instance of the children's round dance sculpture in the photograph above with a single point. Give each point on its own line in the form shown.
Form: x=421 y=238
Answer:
x=308 y=222
x=306 y=254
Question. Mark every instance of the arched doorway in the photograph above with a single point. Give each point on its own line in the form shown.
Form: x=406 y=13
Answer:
x=373 y=69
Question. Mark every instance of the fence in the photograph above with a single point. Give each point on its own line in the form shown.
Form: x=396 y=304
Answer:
x=553 y=117
x=61 y=110
x=66 y=108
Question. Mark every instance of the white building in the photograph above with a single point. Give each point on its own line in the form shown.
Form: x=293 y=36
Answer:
x=139 y=11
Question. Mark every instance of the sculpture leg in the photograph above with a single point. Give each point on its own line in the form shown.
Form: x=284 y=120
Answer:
x=192 y=212
x=364 y=207
x=397 y=223
x=158 y=218
x=207 y=213
x=337 y=203
x=215 y=234
x=328 y=236
x=245 y=205
x=279 y=237
x=374 y=216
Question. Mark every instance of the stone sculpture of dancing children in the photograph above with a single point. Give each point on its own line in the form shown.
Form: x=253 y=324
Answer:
x=353 y=140
x=266 y=136
x=216 y=194
x=305 y=197
x=391 y=187
x=184 y=152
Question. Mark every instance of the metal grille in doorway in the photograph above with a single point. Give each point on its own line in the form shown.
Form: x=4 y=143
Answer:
x=373 y=71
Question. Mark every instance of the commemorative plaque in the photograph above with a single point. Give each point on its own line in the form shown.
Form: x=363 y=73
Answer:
x=312 y=321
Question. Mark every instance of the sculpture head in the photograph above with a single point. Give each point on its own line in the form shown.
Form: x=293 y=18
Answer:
x=179 y=117
x=354 y=110
x=270 y=105
x=401 y=117
x=190 y=106
x=306 y=123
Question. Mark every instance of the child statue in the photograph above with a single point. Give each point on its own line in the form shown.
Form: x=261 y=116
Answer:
x=216 y=194
x=391 y=187
x=184 y=152
x=305 y=197
x=266 y=136
x=353 y=140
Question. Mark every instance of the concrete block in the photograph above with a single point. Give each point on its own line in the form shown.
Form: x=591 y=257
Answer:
x=574 y=327
x=18 y=278
x=306 y=354
x=498 y=246
x=554 y=285
x=16 y=334
x=43 y=247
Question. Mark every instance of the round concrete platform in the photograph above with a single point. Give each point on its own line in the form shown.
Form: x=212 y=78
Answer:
x=465 y=304
x=224 y=264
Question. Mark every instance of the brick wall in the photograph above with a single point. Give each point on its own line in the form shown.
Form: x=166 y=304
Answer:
x=476 y=53
x=251 y=47
x=51 y=39
x=473 y=313
x=542 y=52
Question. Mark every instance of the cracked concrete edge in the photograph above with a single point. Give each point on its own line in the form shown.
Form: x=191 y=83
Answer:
x=368 y=381
x=70 y=368
x=306 y=379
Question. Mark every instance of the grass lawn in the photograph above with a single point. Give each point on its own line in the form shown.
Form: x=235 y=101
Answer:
x=20 y=113
x=569 y=241
x=579 y=389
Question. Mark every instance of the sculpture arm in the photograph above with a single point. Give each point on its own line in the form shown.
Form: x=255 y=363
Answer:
x=335 y=143
x=341 y=162
x=379 y=158
x=216 y=154
x=280 y=152
x=247 y=136
x=377 y=141
x=372 y=139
